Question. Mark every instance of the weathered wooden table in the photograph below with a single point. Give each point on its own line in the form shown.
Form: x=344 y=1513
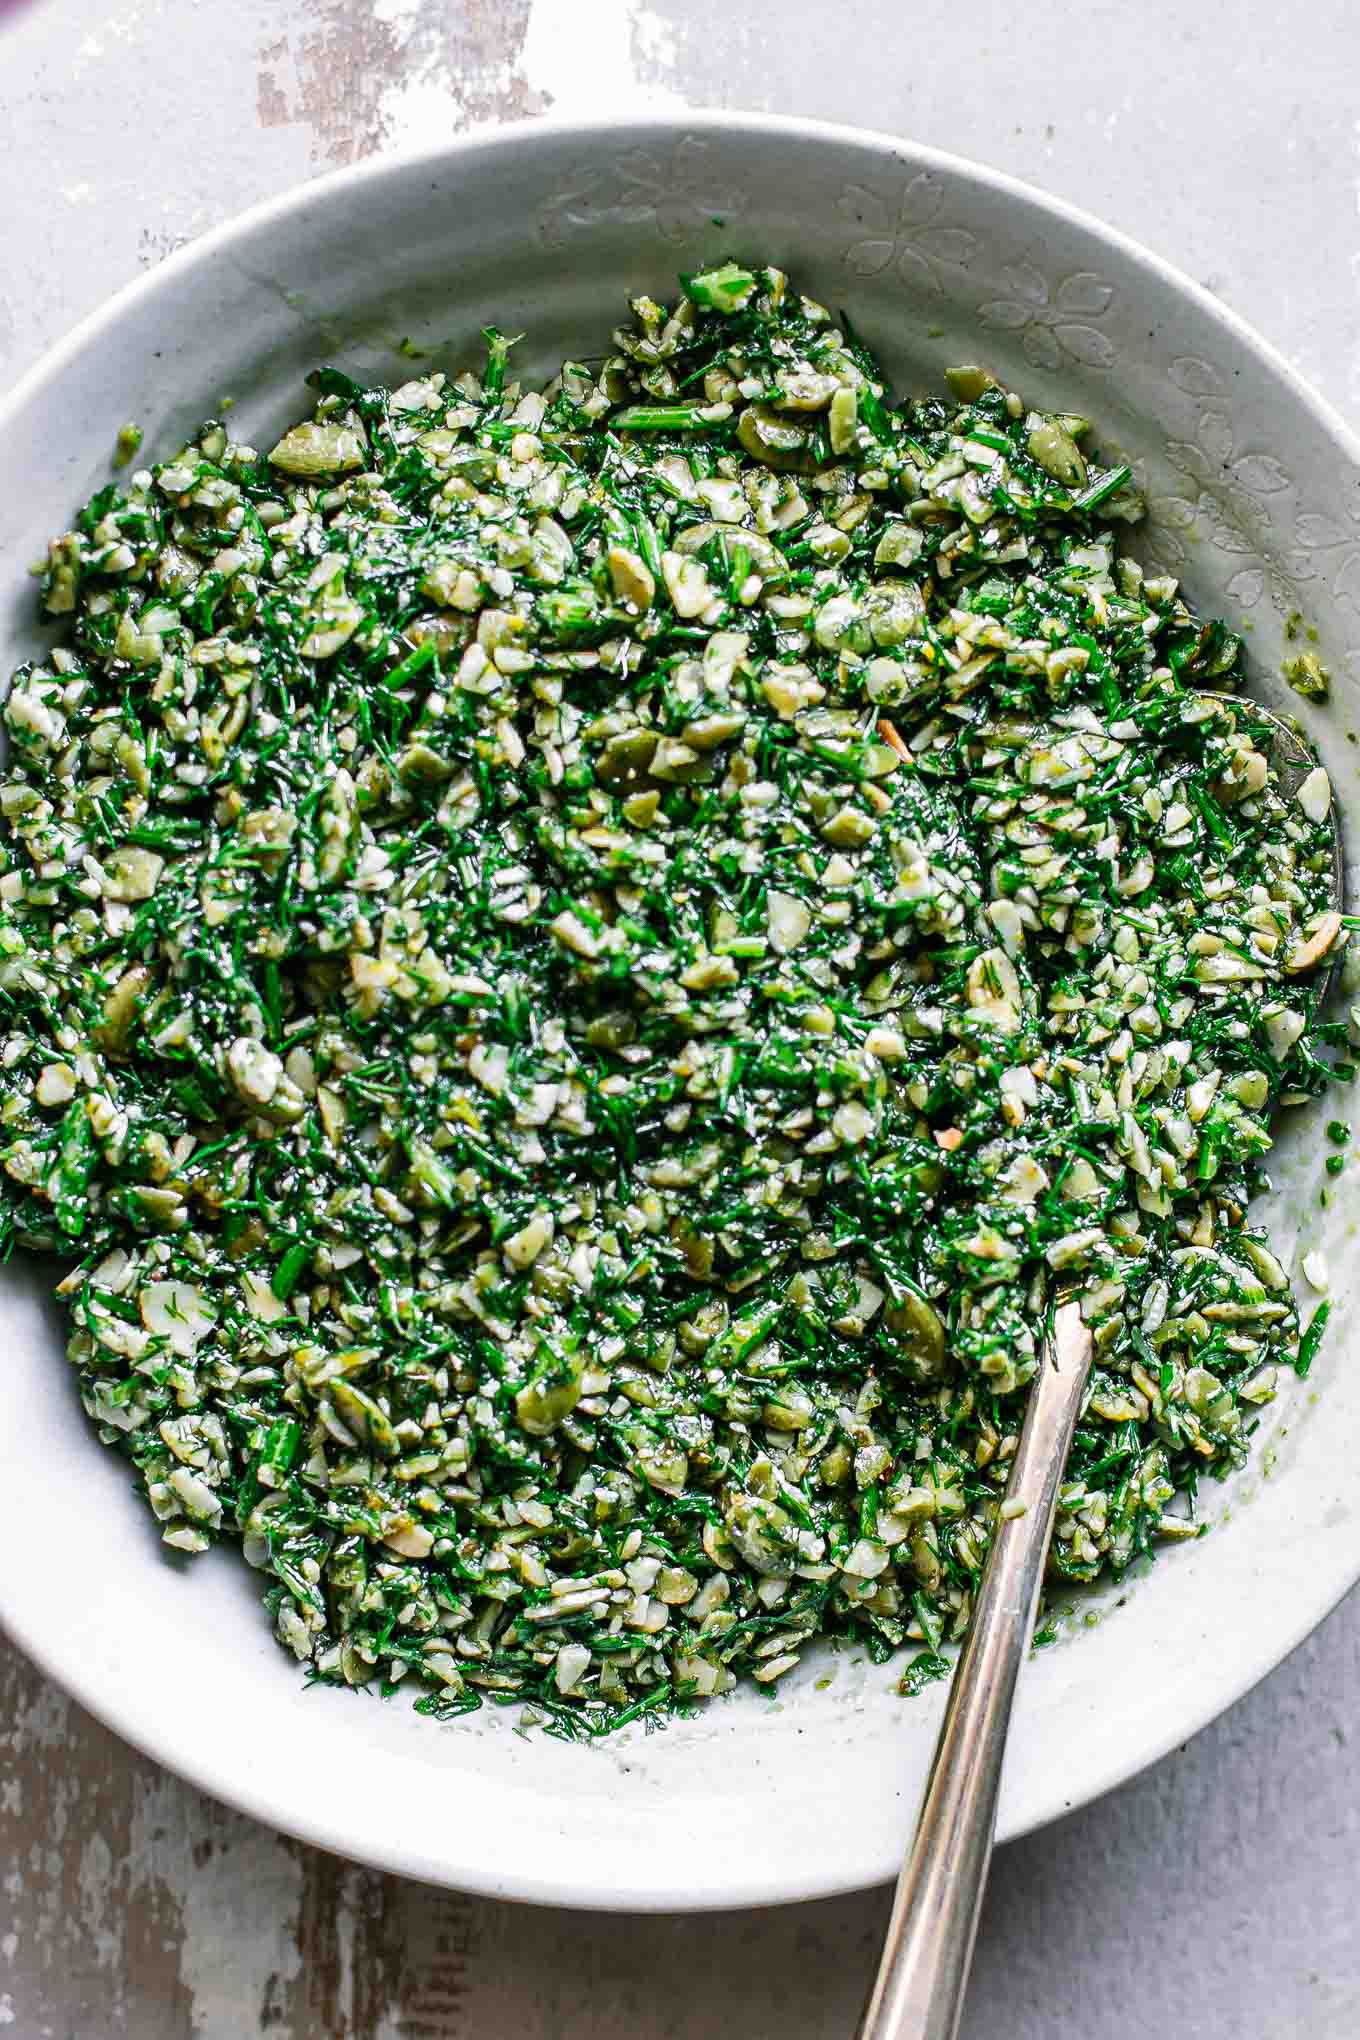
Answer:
x=1212 y=1898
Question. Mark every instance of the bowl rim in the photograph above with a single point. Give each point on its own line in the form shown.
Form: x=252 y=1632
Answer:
x=740 y=1886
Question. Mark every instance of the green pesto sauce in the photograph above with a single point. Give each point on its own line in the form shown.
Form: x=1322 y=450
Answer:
x=579 y=966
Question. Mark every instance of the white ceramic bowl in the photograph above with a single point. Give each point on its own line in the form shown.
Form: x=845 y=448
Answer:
x=546 y=229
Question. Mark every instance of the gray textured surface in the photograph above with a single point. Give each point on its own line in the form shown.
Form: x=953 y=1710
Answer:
x=1213 y=1897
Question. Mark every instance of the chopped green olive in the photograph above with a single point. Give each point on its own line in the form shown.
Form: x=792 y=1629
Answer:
x=920 y=1336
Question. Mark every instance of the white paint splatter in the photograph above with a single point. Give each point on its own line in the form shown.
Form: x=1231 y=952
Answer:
x=435 y=96
x=94 y=1883
x=239 y=1907
x=431 y=103
x=606 y=70
x=618 y=66
x=45 y=1722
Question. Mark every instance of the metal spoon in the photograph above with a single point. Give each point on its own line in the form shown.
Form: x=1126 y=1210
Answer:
x=918 y=1994
x=923 y=1974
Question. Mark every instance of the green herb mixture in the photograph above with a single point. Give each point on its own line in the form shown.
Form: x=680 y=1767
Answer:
x=578 y=967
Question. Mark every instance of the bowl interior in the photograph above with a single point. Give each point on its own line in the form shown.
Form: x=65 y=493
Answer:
x=546 y=231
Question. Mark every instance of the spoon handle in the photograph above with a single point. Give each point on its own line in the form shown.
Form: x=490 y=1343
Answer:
x=919 y=1990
